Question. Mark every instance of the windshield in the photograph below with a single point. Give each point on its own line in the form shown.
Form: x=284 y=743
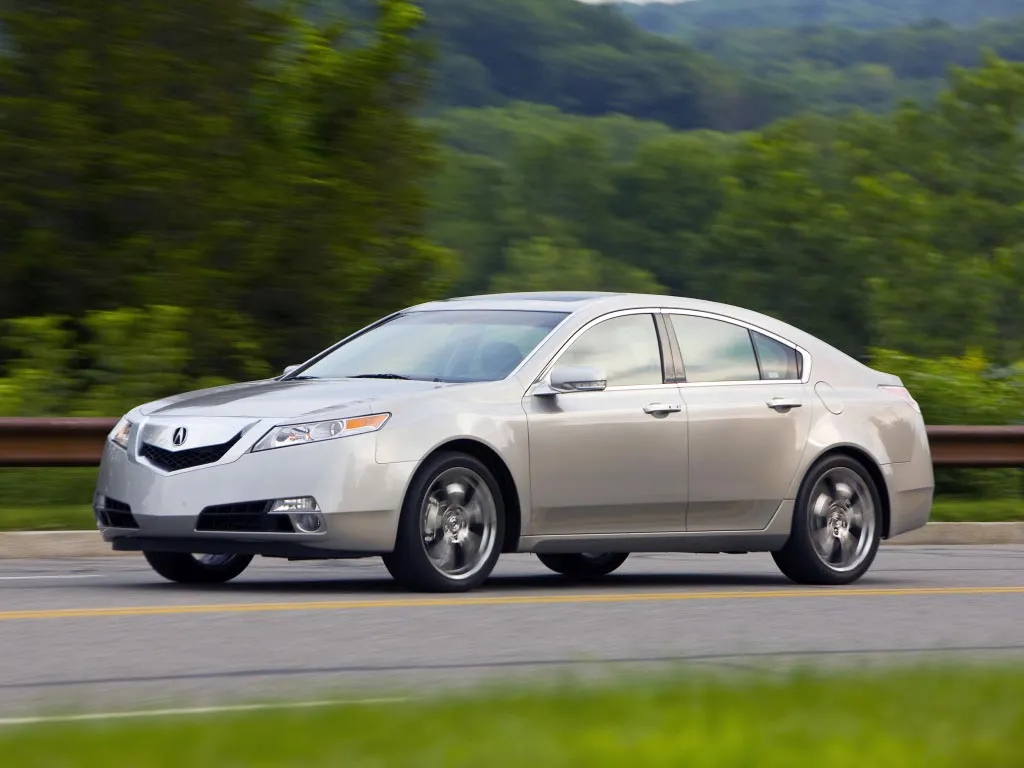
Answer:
x=440 y=345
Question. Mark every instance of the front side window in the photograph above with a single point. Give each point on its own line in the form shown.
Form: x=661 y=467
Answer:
x=440 y=345
x=625 y=347
x=714 y=350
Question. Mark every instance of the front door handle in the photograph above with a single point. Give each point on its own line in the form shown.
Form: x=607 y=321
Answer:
x=654 y=408
x=783 y=403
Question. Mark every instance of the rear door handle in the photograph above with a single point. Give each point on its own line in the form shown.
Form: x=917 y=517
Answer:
x=783 y=403
x=662 y=408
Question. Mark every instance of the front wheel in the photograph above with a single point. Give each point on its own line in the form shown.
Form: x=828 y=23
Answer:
x=584 y=565
x=187 y=568
x=451 y=527
x=836 y=525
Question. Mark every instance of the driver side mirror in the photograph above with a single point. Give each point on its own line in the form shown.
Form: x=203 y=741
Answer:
x=290 y=369
x=575 y=378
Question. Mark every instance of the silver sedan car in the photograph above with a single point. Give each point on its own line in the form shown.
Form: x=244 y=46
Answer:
x=577 y=426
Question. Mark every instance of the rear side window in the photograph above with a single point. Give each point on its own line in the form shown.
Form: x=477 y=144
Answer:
x=779 y=362
x=714 y=350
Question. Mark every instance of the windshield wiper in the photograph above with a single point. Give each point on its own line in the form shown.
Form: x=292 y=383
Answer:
x=379 y=376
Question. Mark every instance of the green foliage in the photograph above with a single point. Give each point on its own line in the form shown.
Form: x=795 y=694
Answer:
x=39 y=377
x=180 y=209
x=959 y=390
x=263 y=174
x=499 y=132
x=583 y=59
x=900 y=232
x=547 y=264
x=830 y=57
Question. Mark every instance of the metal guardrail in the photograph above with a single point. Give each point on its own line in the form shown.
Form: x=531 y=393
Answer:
x=78 y=442
x=56 y=442
x=965 y=447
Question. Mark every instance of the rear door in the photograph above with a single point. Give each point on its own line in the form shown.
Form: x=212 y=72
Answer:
x=748 y=418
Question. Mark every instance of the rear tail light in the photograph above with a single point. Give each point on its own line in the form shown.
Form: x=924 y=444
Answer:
x=902 y=393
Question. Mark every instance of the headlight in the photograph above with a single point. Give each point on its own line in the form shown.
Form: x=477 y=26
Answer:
x=119 y=434
x=317 y=431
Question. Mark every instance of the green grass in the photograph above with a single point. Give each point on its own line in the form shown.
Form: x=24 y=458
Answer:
x=946 y=510
x=957 y=716
x=63 y=517
x=49 y=518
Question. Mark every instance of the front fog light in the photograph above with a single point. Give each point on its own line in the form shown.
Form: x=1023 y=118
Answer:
x=303 y=511
x=307 y=522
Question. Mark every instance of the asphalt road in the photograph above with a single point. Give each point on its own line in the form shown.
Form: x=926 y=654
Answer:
x=107 y=634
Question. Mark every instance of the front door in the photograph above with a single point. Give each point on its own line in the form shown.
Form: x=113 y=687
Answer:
x=611 y=461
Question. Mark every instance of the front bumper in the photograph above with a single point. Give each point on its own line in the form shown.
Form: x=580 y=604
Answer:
x=359 y=498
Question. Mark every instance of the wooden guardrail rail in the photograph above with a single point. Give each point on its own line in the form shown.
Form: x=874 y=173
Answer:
x=78 y=442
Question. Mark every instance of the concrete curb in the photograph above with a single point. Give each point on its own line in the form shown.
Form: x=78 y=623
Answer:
x=50 y=544
x=47 y=544
x=963 y=533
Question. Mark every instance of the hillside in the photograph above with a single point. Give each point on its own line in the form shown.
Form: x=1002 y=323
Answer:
x=582 y=59
x=688 y=19
x=855 y=57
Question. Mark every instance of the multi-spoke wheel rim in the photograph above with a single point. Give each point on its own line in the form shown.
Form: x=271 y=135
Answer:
x=459 y=520
x=842 y=519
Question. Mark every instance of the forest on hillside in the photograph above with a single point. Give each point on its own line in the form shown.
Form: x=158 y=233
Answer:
x=687 y=18
x=831 y=56
x=198 y=193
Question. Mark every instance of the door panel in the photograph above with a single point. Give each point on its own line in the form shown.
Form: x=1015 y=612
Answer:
x=599 y=463
x=611 y=461
x=748 y=421
x=743 y=453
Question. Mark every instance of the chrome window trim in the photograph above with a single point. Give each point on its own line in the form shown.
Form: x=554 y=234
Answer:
x=557 y=354
x=804 y=355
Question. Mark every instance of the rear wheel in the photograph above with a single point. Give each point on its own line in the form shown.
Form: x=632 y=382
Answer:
x=584 y=565
x=836 y=525
x=188 y=568
x=451 y=527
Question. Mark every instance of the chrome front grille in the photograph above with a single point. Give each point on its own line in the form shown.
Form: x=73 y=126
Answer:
x=175 y=461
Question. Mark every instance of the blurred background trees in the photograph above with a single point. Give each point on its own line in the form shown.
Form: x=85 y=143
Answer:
x=207 y=188
x=193 y=193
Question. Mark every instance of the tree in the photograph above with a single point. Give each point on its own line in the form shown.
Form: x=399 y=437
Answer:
x=260 y=171
x=558 y=263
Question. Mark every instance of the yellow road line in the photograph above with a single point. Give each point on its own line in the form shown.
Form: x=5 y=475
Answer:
x=460 y=601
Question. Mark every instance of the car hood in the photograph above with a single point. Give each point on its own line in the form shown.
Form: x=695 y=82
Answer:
x=287 y=399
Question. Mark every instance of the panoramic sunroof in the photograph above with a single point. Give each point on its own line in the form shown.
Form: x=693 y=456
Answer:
x=566 y=296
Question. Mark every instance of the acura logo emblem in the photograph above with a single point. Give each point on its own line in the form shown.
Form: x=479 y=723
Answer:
x=178 y=438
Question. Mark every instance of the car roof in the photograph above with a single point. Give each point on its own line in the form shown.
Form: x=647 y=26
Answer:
x=598 y=302
x=595 y=303
x=558 y=301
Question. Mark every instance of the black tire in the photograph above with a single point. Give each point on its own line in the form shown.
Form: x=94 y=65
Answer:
x=185 y=568
x=409 y=563
x=584 y=566
x=801 y=559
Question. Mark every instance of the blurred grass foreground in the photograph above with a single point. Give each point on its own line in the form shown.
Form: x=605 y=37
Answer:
x=955 y=716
